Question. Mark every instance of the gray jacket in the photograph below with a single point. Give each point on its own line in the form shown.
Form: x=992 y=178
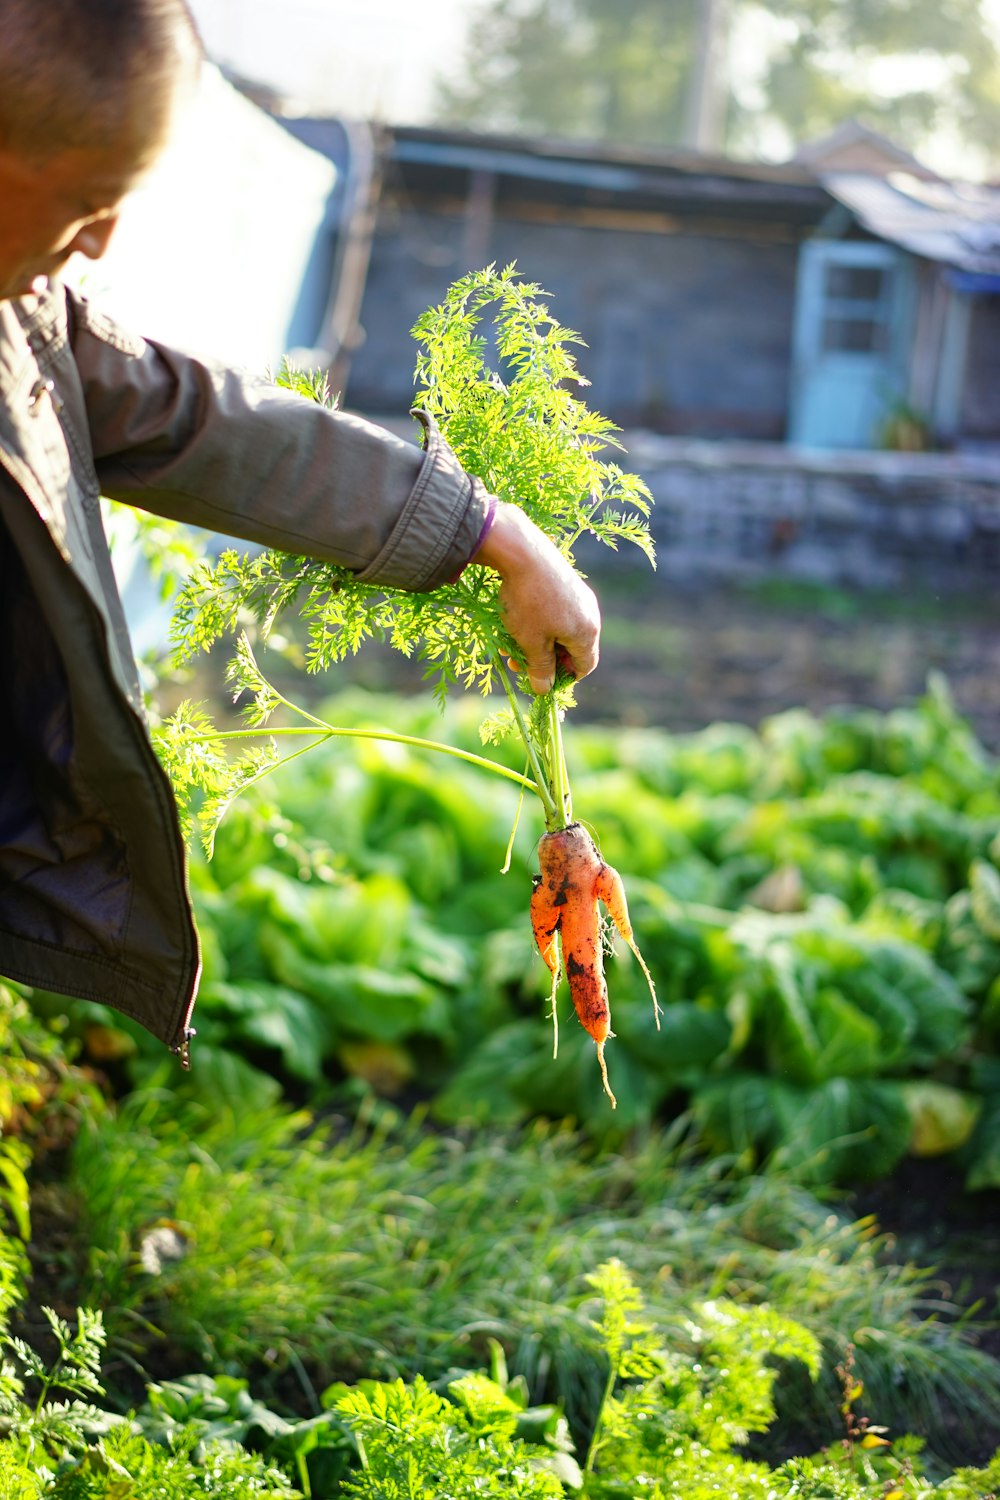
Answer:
x=93 y=894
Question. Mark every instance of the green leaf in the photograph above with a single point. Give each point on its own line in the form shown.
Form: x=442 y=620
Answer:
x=794 y=1039
x=850 y=1041
x=984 y=1149
x=940 y=1009
x=386 y=1005
x=691 y=1036
x=483 y=1086
x=943 y=1118
x=845 y=1130
x=274 y=1016
x=221 y=1076
x=14 y=1191
x=984 y=882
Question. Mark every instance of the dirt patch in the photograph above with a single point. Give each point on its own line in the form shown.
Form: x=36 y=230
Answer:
x=682 y=658
x=679 y=658
x=935 y=1223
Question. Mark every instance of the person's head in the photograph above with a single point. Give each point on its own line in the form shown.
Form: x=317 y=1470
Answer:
x=87 y=90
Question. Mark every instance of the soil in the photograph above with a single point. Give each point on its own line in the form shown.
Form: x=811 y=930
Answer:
x=683 y=658
x=934 y=1223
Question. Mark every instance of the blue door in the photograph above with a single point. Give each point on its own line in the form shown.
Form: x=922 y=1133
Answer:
x=851 y=342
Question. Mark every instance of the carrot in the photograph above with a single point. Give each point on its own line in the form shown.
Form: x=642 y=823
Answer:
x=573 y=879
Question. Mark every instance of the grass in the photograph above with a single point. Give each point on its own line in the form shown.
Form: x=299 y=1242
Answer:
x=381 y=1248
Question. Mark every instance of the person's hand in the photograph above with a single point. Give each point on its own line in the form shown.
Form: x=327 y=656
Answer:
x=547 y=607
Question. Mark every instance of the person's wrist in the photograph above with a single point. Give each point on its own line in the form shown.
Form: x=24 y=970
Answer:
x=508 y=542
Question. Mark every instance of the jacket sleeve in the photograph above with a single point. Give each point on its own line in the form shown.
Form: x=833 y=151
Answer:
x=199 y=443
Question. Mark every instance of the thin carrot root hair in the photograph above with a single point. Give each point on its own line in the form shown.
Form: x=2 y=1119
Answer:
x=604 y=1073
x=555 y=1014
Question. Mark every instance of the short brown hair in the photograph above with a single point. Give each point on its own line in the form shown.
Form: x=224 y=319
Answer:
x=71 y=71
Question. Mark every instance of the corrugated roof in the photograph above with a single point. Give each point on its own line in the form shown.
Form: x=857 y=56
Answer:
x=957 y=224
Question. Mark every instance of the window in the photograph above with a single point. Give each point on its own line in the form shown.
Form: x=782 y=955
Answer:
x=856 y=304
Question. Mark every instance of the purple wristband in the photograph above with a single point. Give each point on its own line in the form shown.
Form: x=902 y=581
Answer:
x=484 y=531
x=491 y=515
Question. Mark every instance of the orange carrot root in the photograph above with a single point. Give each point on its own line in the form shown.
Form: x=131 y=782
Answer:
x=564 y=901
x=611 y=891
x=545 y=937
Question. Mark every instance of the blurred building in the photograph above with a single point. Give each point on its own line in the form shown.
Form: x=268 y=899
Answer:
x=848 y=299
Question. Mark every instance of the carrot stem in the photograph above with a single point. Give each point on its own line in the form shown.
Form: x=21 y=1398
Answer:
x=542 y=785
x=321 y=731
x=505 y=869
x=257 y=680
x=557 y=758
x=259 y=776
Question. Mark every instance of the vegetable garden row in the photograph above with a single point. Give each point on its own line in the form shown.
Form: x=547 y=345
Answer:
x=819 y=902
x=497 y=1284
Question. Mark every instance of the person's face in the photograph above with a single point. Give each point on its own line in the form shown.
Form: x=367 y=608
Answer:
x=66 y=202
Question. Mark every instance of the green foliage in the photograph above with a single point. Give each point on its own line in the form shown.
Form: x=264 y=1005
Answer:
x=199 y=1413
x=41 y=1095
x=526 y=434
x=74 y=1449
x=668 y=1424
x=207 y=781
x=168 y=549
x=534 y=443
x=598 y=70
x=577 y=70
x=123 y=1466
x=78 y=1358
x=14 y=1159
x=808 y=90
x=697 y=1406
x=251 y=1237
x=670 y=1419
x=416 y=1444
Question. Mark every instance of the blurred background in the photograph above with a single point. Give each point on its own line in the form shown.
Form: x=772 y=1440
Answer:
x=777 y=229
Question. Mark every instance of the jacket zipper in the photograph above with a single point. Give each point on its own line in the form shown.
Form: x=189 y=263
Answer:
x=182 y=1049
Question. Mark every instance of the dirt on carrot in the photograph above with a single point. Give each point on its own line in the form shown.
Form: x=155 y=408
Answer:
x=564 y=906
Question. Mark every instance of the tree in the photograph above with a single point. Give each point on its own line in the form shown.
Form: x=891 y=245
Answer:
x=621 y=71
x=613 y=70
x=910 y=68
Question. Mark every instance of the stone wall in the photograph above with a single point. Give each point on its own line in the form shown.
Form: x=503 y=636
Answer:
x=748 y=511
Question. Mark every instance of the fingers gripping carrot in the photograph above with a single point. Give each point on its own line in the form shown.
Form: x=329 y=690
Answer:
x=573 y=879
